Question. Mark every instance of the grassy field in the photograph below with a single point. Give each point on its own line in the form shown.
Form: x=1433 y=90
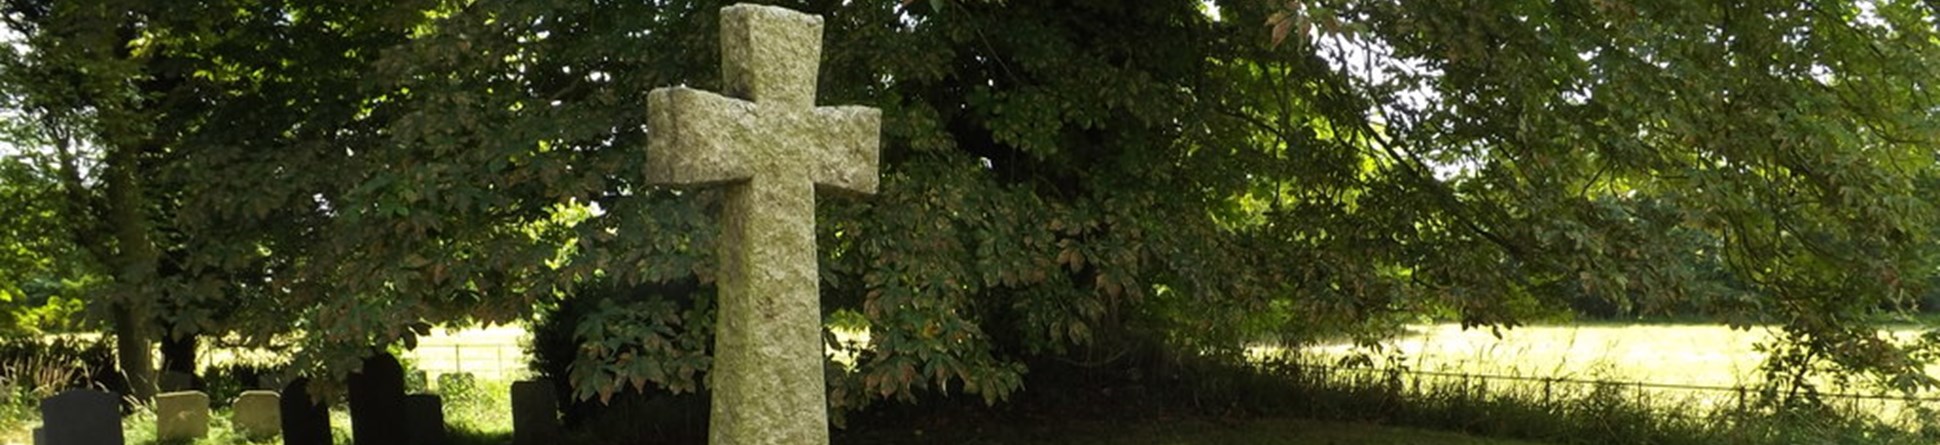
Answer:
x=1657 y=354
x=1711 y=355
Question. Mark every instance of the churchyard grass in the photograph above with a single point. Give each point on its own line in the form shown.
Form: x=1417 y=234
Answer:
x=476 y=414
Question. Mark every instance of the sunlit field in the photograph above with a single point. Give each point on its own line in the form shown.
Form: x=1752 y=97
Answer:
x=1709 y=355
x=1697 y=355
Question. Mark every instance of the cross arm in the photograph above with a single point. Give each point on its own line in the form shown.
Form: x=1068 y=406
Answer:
x=696 y=138
x=849 y=141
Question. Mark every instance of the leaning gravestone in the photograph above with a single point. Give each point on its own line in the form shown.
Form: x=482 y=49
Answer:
x=181 y=416
x=377 y=402
x=81 y=417
x=535 y=413
x=424 y=420
x=770 y=146
x=257 y=415
x=304 y=420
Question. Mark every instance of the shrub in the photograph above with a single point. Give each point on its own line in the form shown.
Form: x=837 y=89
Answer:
x=223 y=382
x=649 y=414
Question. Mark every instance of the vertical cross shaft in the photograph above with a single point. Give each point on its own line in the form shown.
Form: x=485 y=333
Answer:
x=770 y=152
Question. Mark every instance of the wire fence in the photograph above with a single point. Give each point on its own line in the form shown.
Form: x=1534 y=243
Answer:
x=485 y=360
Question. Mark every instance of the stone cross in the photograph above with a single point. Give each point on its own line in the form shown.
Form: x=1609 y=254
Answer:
x=770 y=146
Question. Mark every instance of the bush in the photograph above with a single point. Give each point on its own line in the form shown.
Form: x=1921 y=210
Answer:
x=225 y=381
x=648 y=415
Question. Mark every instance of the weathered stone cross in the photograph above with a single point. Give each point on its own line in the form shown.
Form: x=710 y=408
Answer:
x=771 y=150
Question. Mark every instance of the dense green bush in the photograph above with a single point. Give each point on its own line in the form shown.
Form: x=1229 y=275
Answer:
x=646 y=414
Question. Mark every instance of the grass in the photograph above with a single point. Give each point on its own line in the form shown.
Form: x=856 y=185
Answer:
x=1390 y=386
x=1681 y=354
x=477 y=412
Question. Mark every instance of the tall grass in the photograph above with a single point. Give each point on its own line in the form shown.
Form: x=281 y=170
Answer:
x=24 y=381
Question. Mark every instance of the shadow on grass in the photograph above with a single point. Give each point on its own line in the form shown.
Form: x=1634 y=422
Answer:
x=1259 y=431
x=458 y=435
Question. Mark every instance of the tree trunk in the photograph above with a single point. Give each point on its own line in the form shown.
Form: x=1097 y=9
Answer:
x=136 y=259
x=178 y=352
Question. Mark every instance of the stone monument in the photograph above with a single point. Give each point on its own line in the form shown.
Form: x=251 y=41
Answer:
x=181 y=416
x=769 y=147
x=258 y=414
x=376 y=395
x=304 y=421
x=81 y=417
x=535 y=413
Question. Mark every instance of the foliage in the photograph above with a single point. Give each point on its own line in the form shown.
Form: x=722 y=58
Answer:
x=570 y=339
x=43 y=277
x=1746 y=120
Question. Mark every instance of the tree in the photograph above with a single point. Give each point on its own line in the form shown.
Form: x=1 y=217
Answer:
x=42 y=274
x=77 y=99
x=1796 y=132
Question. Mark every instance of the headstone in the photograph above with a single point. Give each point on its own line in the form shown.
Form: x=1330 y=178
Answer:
x=81 y=417
x=771 y=147
x=424 y=420
x=535 y=413
x=257 y=415
x=377 y=402
x=305 y=421
x=181 y=416
x=177 y=381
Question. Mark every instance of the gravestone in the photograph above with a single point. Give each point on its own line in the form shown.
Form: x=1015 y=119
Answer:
x=181 y=416
x=424 y=420
x=771 y=147
x=535 y=413
x=257 y=415
x=377 y=402
x=305 y=421
x=81 y=417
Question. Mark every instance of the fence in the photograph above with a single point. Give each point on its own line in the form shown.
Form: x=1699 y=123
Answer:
x=491 y=360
